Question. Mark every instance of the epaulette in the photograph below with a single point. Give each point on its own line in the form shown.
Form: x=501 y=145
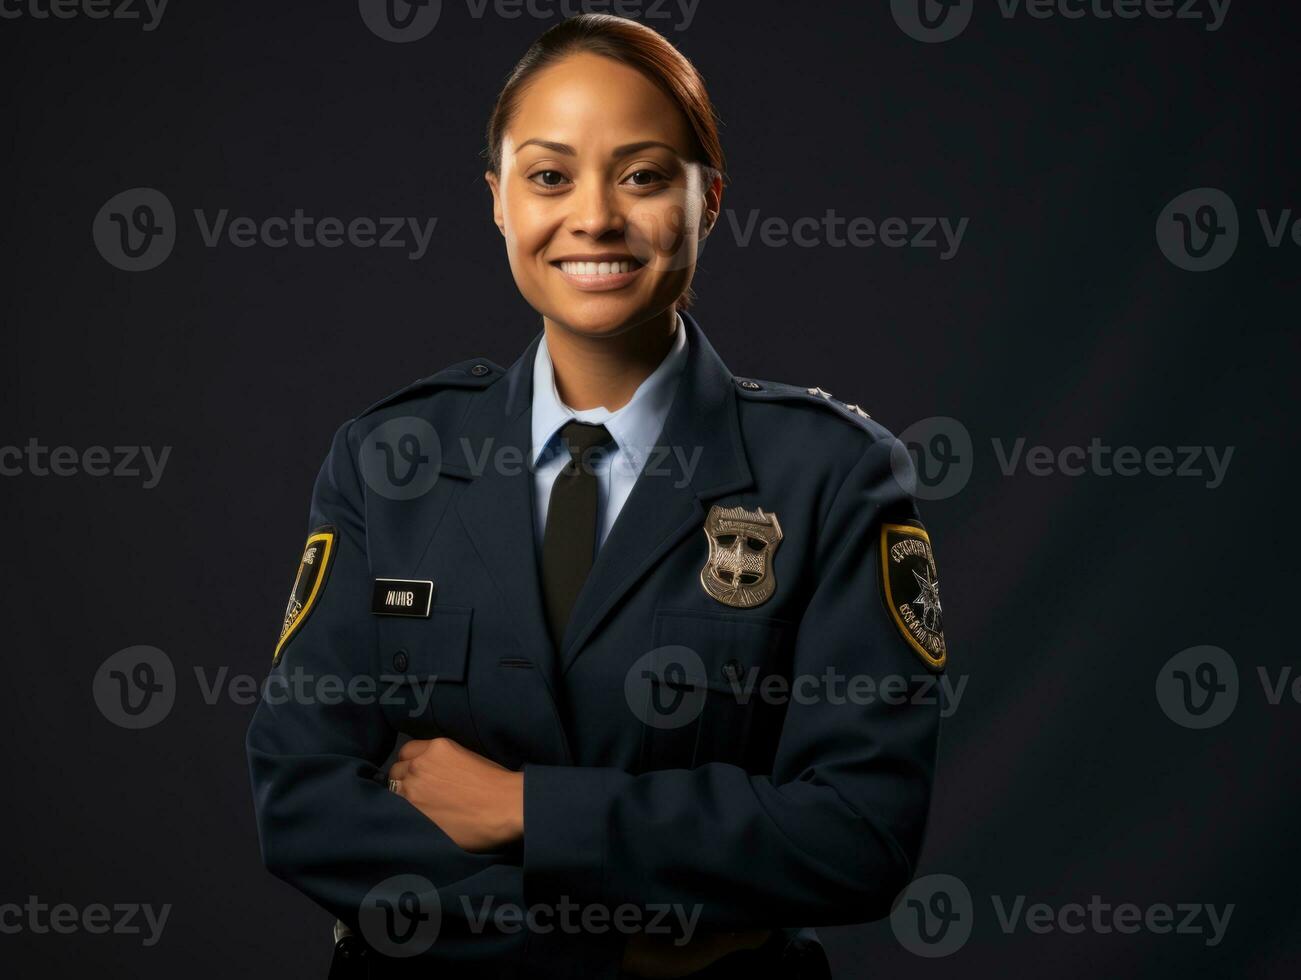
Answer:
x=776 y=391
x=479 y=372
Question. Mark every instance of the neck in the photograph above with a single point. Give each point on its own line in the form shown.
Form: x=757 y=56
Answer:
x=595 y=371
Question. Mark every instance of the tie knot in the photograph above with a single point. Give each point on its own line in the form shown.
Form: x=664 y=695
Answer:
x=582 y=437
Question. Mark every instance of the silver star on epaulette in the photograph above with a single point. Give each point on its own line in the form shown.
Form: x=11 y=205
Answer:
x=858 y=411
x=819 y=391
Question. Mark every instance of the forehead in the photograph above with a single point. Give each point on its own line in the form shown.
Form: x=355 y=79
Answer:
x=588 y=98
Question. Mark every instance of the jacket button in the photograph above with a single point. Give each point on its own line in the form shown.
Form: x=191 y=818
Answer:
x=400 y=661
x=732 y=669
x=479 y=370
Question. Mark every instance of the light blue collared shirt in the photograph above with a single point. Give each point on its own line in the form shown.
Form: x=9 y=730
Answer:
x=634 y=427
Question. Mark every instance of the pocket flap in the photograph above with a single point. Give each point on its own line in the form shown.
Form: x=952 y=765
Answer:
x=437 y=646
x=729 y=646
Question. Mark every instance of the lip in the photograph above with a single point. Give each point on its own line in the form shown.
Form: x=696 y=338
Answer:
x=599 y=283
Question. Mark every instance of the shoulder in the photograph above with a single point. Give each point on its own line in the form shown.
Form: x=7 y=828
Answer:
x=804 y=408
x=465 y=377
x=441 y=399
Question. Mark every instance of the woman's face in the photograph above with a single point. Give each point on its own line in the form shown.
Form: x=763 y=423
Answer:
x=600 y=206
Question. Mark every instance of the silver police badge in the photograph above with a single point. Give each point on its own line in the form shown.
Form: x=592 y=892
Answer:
x=742 y=542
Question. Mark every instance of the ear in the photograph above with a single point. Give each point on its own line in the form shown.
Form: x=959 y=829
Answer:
x=494 y=184
x=713 y=205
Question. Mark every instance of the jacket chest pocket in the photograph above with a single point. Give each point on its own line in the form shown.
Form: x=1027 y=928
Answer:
x=422 y=673
x=701 y=690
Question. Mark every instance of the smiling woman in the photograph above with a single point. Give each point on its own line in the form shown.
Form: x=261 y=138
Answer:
x=592 y=654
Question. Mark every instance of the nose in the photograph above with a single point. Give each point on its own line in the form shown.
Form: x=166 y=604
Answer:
x=596 y=210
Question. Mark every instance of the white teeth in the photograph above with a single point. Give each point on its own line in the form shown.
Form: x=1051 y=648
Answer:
x=595 y=268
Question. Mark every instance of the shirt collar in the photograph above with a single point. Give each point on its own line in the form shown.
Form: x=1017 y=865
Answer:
x=634 y=427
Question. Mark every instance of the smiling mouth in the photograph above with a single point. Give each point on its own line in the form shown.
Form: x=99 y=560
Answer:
x=599 y=274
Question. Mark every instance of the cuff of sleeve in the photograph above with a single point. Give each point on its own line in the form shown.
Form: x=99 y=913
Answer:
x=565 y=833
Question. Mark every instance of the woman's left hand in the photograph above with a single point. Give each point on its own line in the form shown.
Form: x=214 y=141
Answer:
x=477 y=803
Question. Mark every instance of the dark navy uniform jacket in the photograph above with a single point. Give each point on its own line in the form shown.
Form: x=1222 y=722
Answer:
x=759 y=811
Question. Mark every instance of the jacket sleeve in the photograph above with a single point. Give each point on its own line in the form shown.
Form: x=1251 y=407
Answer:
x=832 y=835
x=327 y=823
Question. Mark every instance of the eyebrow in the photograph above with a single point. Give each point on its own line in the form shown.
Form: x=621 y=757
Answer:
x=619 y=151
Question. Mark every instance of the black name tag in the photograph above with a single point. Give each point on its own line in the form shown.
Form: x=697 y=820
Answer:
x=401 y=597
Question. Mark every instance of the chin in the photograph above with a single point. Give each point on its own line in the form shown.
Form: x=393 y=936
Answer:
x=603 y=317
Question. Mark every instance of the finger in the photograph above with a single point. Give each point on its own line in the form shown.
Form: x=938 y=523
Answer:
x=399 y=770
x=413 y=748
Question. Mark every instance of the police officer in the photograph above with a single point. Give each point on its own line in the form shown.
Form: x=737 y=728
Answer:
x=646 y=631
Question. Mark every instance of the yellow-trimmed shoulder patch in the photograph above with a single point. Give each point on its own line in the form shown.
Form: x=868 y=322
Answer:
x=308 y=583
x=910 y=585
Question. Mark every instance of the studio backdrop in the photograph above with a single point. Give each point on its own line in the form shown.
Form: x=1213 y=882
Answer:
x=1052 y=245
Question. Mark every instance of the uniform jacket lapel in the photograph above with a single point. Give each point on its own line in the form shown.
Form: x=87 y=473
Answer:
x=699 y=455
x=497 y=506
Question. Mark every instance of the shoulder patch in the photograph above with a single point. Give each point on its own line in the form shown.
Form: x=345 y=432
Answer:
x=313 y=568
x=775 y=391
x=478 y=372
x=910 y=587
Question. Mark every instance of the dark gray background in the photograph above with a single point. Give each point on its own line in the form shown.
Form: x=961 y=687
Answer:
x=1059 y=320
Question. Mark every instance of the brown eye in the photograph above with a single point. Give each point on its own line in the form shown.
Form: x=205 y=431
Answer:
x=645 y=178
x=549 y=178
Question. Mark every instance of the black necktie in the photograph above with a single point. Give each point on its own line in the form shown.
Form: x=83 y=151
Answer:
x=569 y=541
